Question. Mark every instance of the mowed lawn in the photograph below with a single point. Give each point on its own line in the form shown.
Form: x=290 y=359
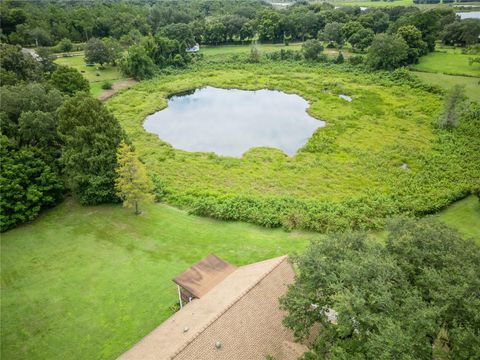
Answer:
x=448 y=61
x=464 y=215
x=89 y=282
x=107 y=73
x=471 y=84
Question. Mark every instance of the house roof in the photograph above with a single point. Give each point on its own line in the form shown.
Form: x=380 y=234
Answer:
x=240 y=308
x=204 y=275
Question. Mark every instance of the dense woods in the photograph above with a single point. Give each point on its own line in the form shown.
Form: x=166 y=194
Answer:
x=160 y=32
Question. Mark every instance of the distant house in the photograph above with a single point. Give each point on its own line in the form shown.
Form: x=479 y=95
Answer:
x=194 y=49
x=233 y=314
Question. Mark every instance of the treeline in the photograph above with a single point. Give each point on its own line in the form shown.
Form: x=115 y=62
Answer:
x=54 y=138
x=47 y=23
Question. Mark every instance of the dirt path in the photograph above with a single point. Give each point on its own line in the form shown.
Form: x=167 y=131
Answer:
x=117 y=86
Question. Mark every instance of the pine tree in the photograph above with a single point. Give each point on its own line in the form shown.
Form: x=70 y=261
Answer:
x=132 y=184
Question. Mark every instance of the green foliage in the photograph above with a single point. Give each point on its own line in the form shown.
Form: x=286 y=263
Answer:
x=453 y=107
x=416 y=46
x=69 y=80
x=107 y=85
x=114 y=50
x=388 y=300
x=361 y=39
x=137 y=63
x=340 y=59
x=348 y=175
x=27 y=184
x=132 y=184
x=312 y=50
x=463 y=33
x=65 y=45
x=96 y=52
x=91 y=135
x=333 y=33
x=387 y=52
x=16 y=66
x=255 y=55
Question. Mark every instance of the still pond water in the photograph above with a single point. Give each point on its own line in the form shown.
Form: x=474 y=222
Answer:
x=228 y=122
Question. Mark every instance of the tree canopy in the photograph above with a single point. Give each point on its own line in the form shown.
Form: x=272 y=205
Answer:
x=91 y=136
x=393 y=300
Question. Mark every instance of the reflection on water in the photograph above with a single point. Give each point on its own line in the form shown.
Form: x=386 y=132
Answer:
x=229 y=122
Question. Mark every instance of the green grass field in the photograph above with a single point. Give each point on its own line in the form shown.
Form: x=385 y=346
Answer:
x=109 y=72
x=448 y=61
x=89 y=282
x=471 y=84
x=464 y=216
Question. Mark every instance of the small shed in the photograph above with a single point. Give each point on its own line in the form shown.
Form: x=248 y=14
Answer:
x=197 y=280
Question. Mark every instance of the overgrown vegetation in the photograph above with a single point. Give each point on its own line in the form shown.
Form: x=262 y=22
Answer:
x=348 y=175
x=54 y=138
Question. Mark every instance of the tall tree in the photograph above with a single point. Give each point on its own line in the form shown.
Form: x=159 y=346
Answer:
x=96 y=52
x=69 y=80
x=387 y=52
x=133 y=185
x=376 y=301
x=91 y=136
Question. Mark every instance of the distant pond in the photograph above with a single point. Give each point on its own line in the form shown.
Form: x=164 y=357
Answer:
x=228 y=122
x=469 y=15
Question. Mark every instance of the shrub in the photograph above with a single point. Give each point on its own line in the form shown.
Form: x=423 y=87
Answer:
x=355 y=59
x=312 y=50
x=107 y=85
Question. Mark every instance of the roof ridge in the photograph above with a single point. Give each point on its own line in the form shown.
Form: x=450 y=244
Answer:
x=281 y=259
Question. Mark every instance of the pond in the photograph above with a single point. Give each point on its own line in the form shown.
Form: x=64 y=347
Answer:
x=469 y=15
x=229 y=122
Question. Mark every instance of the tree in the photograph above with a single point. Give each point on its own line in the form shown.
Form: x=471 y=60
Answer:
x=137 y=63
x=65 y=45
x=361 y=39
x=416 y=46
x=114 y=50
x=16 y=66
x=387 y=52
x=312 y=50
x=91 y=136
x=376 y=301
x=463 y=33
x=96 y=52
x=133 y=185
x=333 y=33
x=453 y=107
x=27 y=184
x=69 y=80
x=350 y=28
x=340 y=59
x=183 y=33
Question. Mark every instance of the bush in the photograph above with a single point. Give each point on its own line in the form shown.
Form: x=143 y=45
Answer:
x=355 y=59
x=107 y=85
x=69 y=80
x=312 y=50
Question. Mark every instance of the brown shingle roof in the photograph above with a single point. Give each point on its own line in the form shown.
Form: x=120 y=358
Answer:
x=204 y=275
x=241 y=313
